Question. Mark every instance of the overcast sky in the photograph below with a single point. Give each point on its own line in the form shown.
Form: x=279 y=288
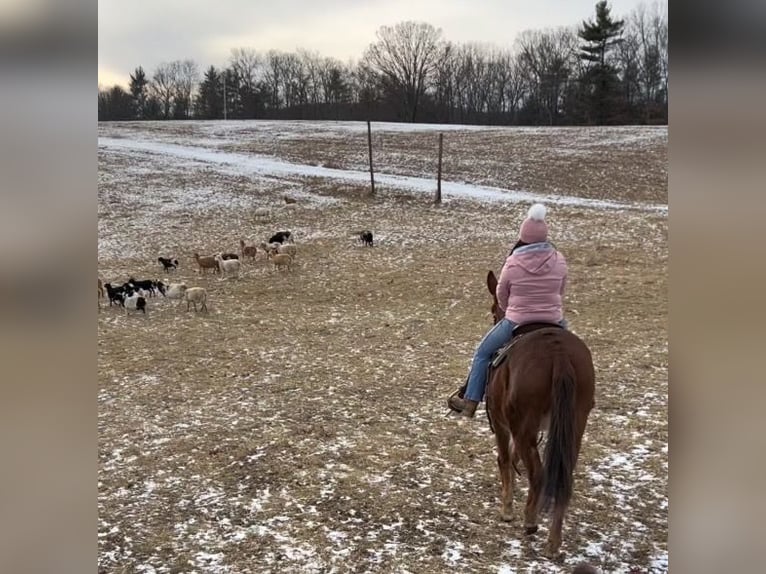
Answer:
x=148 y=32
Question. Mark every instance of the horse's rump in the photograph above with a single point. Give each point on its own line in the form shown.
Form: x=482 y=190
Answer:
x=524 y=383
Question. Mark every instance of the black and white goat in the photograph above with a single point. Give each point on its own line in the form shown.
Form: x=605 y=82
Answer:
x=135 y=302
x=147 y=286
x=116 y=294
x=281 y=237
x=168 y=264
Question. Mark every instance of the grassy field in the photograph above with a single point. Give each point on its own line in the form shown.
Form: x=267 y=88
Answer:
x=300 y=426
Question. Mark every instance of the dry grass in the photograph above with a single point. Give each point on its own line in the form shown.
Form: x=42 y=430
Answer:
x=299 y=425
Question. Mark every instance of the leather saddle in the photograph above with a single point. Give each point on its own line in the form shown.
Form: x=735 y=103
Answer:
x=504 y=352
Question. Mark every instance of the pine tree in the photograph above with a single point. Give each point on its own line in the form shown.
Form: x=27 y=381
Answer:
x=601 y=77
x=139 y=92
x=209 y=104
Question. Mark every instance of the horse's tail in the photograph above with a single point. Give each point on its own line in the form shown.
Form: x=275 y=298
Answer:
x=561 y=448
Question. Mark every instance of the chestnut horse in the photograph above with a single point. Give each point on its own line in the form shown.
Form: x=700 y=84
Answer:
x=547 y=379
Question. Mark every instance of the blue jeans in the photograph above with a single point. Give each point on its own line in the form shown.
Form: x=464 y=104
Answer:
x=497 y=337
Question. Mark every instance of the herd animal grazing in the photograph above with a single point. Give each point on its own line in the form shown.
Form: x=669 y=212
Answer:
x=247 y=250
x=176 y=291
x=135 y=302
x=205 y=263
x=194 y=295
x=281 y=237
x=228 y=266
x=168 y=264
x=133 y=295
x=281 y=260
x=366 y=237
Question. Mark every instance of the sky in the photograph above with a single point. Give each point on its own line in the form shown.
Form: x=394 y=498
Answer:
x=149 y=32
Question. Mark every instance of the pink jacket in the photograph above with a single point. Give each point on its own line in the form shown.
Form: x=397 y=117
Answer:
x=531 y=285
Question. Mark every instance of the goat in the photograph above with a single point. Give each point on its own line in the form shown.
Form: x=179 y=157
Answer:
x=168 y=264
x=287 y=248
x=135 y=302
x=366 y=237
x=115 y=294
x=261 y=212
x=281 y=260
x=176 y=290
x=281 y=237
x=227 y=256
x=196 y=295
x=160 y=286
x=206 y=262
x=228 y=265
x=247 y=250
x=146 y=285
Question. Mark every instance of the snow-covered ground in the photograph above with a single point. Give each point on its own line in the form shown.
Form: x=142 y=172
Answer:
x=299 y=425
x=259 y=165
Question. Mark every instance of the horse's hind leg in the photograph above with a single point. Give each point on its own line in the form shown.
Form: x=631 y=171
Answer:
x=507 y=476
x=531 y=458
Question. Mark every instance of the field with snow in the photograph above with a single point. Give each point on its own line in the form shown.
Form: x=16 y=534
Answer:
x=300 y=426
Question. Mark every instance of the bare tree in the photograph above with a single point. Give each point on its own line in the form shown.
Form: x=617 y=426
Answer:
x=187 y=78
x=163 y=86
x=444 y=81
x=406 y=55
x=247 y=63
x=547 y=58
x=650 y=34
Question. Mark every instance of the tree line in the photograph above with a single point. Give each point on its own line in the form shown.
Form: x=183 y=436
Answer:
x=603 y=71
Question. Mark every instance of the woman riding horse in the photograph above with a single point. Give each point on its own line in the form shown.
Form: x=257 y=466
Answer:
x=530 y=290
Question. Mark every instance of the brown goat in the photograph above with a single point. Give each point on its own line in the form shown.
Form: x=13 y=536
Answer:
x=281 y=260
x=206 y=262
x=247 y=250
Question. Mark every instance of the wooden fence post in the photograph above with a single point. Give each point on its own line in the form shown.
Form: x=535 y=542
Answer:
x=438 y=198
x=369 y=147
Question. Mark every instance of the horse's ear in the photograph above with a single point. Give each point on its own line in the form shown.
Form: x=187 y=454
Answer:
x=491 y=282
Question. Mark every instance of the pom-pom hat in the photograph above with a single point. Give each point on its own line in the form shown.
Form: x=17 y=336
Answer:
x=534 y=228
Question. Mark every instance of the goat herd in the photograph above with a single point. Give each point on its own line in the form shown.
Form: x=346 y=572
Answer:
x=280 y=250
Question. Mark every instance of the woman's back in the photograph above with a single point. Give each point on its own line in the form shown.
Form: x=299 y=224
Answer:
x=534 y=278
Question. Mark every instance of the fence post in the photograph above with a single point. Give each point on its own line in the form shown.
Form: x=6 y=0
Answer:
x=438 y=198
x=369 y=147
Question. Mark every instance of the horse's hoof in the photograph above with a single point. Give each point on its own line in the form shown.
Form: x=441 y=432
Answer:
x=530 y=530
x=552 y=552
x=506 y=516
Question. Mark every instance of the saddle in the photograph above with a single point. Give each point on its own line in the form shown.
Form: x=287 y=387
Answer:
x=516 y=335
x=504 y=352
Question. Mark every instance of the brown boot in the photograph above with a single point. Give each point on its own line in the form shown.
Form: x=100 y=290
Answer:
x=469 y=409
x=456 y=403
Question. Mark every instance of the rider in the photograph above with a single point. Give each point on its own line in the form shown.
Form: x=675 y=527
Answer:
x=530 y=289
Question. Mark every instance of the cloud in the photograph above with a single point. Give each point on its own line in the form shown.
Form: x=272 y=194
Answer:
x=146 y=32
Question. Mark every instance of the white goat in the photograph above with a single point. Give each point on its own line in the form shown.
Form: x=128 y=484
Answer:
x=135 y=302
x=230 y=266
x=261 y=212
x=176 y=291
x=194 y=295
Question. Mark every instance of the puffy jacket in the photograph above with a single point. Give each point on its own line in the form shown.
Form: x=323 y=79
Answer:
x=531 y=284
